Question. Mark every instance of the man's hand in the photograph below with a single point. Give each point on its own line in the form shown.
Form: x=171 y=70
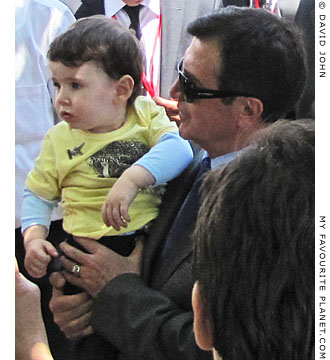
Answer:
x=99 y=266
x=72 y=313
x=171 y=108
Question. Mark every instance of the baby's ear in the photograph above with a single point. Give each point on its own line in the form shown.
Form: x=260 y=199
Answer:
x=125 y=86
x=202 y=321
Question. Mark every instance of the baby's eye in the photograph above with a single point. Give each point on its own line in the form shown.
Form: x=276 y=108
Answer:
x=56 y=85
x=75 y=85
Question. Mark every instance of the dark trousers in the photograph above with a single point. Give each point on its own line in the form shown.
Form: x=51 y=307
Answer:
x=122 y=245
x=94 y=347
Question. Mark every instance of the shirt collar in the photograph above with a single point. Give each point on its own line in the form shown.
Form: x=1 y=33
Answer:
x=113 y=6
x=223 y=159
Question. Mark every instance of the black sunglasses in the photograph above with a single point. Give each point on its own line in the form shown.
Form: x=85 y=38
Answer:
x=192 y=92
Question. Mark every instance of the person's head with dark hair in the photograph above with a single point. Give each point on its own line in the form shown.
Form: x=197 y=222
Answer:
x=247 y=65
x=253 y=257
x=261 y=56
x=102 y=44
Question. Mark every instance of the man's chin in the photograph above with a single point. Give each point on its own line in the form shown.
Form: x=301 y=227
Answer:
x=182 y=131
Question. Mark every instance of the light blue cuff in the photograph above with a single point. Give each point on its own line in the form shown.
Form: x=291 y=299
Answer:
x=36 y=210
x=168 y=158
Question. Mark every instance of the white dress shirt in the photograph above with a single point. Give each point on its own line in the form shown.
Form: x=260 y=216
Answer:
x=150 y=22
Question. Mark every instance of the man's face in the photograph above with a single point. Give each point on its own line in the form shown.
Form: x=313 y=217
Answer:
x=208 y=122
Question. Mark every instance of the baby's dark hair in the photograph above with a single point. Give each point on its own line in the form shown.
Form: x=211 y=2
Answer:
x=105 y=41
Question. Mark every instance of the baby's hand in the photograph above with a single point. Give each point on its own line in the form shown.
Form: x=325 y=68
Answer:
x=38 y=256
x=119 y=199
x=124 y=191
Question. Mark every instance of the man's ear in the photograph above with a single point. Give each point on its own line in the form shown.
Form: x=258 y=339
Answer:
x=125 y=86
x=250 y=113
x=202 y=323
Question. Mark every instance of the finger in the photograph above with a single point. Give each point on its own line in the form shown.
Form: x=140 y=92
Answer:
x=116 y=215
x=78 y=324
x=73 y=279
x=74 y=328
x=175 y=118
x=124 y=214
x=55 y=302
x=66 y=308
x=158 y=100
x=172 y=111
x=90 y=245
x=35 y=268
x=57 y=280
x=138 y=250
x=167 y=103
x=77 y=328
x=87 y=331
x=41 y=256
x=112 y=221
x=105 y=214
x=68 y=265
x=75 y=254
x=38 y=265
x=36 y=272
x=85 y=306
x=135 y=257
x=50 y=249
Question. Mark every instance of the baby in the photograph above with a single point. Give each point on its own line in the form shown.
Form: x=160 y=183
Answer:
x=111 y=138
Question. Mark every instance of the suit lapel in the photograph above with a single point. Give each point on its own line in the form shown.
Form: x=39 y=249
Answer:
x=176 y=193
x=181 y=186
x=183 y=249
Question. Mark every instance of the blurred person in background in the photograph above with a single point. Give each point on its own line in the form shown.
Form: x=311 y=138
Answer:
x=37 y=23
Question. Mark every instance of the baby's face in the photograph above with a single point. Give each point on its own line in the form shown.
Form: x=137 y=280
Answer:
x=87 y=98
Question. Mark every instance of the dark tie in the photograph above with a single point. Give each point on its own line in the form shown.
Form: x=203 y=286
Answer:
x=184 y=222
x=133 y=13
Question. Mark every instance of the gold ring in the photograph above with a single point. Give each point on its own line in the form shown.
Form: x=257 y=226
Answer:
x=76 y=270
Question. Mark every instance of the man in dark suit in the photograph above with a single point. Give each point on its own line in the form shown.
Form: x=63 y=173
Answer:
x=228 y=87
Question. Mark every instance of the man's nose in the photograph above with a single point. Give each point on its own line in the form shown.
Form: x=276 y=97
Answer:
x=175 y=90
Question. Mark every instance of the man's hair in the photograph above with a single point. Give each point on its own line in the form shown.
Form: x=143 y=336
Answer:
x=104 y=41
x=261 y=56
x=254 y=247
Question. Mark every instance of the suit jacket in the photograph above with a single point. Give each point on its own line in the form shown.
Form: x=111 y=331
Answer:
x=176 y=15
x=150 y=317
